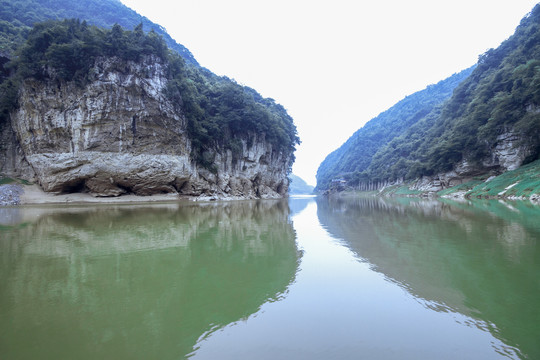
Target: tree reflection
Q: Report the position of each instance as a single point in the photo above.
(479, 258)
(138, 281)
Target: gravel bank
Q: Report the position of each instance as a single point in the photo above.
(10, 194)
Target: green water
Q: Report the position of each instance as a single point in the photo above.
(296, 279)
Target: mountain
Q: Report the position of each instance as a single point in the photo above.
(357, 153)
(18, 16)
(490, 124)
(112, 111)
(297, 186)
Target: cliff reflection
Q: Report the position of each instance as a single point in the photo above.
(481, 259)
(137, 281)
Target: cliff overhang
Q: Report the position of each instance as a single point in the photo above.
(119, 134)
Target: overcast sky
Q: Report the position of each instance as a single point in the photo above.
(334, 65)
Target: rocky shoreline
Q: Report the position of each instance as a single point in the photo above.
(10, 194)
(17, 194)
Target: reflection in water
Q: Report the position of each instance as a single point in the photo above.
(298, 203)
(136, 281)
(481, 259)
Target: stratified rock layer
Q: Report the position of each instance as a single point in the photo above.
(119, 134)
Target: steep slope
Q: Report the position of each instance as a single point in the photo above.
(356, 154)
(298, 186)
(490, 124)
(18, 16)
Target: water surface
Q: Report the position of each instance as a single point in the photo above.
(136, 282)
(303, 279)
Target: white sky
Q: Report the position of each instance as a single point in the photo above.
(334, 65)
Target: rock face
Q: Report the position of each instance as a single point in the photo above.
(12, 160)
(508, 153)
(120, 134)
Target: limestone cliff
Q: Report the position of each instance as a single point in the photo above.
(120, 134)
(508, 153)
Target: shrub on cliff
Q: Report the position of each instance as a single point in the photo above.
(70, 47)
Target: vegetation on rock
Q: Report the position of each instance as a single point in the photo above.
(520, 183)
(17, 17)
(220, 113)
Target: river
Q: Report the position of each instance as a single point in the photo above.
(304, 278)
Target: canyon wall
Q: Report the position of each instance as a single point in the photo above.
(118, 133)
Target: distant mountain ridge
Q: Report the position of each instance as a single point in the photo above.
(298, 186)
(490, 124)
(357, 153)
(18, 16)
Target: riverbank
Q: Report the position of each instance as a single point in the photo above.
(520, 184)
(10, 194)
(17, 193)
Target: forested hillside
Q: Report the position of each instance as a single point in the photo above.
(500, 98)
(18, 16)
(356, 154)
(298, 186)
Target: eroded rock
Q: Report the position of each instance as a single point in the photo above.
(119, 134)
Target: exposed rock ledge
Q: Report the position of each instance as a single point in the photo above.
(120, 135)
(507, 154)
